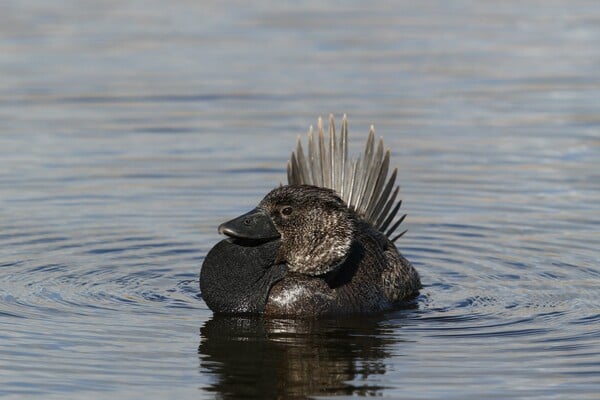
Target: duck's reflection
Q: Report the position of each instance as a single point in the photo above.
(261, 358)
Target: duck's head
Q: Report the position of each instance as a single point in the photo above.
(315, 226)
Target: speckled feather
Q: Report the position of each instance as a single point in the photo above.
(341, 259)
(369, 276)
(318, 235)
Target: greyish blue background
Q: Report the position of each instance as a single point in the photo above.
(130, 130)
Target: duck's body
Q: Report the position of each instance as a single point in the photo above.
(374, 277)
(333, 255)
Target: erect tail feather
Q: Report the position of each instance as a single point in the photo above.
(362, 183)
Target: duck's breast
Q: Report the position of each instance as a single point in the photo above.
(300, 295)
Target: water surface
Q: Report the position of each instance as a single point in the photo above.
(128, 132)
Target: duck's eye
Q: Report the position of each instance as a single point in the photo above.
(287, 210)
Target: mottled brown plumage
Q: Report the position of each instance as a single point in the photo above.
(366, 275)
(316, 234)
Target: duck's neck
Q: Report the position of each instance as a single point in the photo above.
(343, 273)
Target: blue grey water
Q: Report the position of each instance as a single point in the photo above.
(130, 130)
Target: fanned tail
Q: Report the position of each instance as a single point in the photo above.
(362, 183)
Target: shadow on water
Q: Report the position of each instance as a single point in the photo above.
(252, 357)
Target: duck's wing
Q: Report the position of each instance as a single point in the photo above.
(362, 183)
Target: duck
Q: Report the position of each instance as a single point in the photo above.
(321, 245)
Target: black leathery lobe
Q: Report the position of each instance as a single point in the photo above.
(237, 275)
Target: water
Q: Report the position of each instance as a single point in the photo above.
(130, 131)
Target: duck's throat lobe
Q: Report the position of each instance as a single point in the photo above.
(236, 277)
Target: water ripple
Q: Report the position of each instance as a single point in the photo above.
(129, 133)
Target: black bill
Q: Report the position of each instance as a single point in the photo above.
(255, 225)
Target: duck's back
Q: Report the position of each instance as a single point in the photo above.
(382, 272)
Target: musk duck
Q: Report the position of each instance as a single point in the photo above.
(321, 245)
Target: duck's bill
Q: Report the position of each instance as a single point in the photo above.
(255, 225)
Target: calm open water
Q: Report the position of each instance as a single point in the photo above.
(128, 132)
